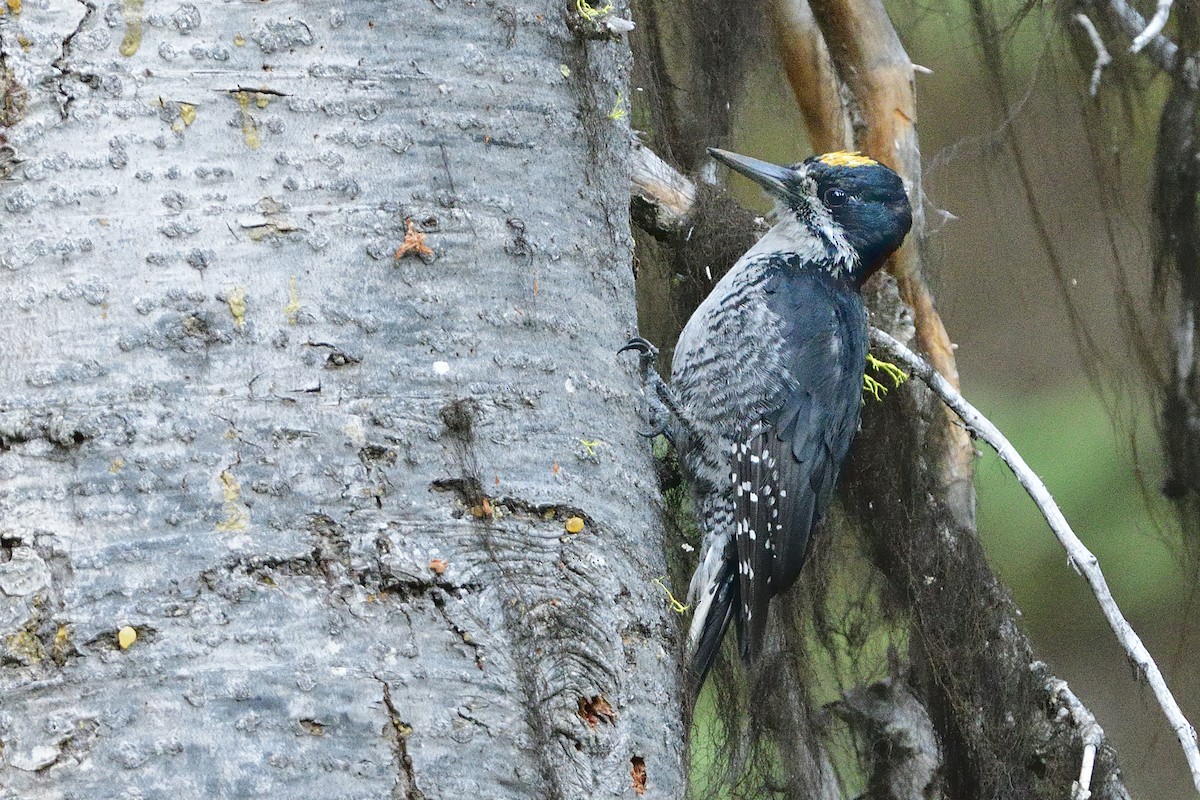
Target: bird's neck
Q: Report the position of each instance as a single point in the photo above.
(791, 236)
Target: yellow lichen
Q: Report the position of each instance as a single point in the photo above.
(187, 113)
(618, 110)
(26, 646)
(236, 516)
(14, 6)
(262, 100)
(897, 375)
(239, 40)
(235, 298)
(117, 465)
(249, 125)
(590, 13)
(874, 388)
(574, 525)
(126, 637)
(847, 158)
(292, 309)
(131, 10)
(62, 647)
(676, 606)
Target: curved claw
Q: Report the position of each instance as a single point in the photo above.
(659, 429)
(640, 345)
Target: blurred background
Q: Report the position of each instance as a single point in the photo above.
(1087, 428)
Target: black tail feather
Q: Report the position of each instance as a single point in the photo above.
(723, 609)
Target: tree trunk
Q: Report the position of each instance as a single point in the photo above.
(335, 495)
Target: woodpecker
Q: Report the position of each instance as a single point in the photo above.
(767, 380)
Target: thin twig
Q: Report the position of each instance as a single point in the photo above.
(1153, 27)
(1083, 561)
(1161, 50)
(1090, 732)
(1103, 59)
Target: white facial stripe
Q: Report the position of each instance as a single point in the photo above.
(819, 220)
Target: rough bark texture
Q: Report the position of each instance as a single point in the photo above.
(330, 493)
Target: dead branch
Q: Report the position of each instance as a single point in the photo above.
(1081, 559)
(812, 76)
(1153, 27)
(663, 197)
(1161, 51)
(1090, 732)
(1103, 59)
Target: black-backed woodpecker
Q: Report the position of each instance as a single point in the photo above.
(767, 381)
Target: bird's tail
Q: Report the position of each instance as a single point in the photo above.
(717, 602)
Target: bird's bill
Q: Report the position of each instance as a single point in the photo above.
(771, 177)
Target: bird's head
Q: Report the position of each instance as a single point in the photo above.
(855, 206)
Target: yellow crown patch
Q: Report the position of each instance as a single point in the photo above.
(846, 158)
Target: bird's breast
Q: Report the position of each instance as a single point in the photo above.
(728, 369)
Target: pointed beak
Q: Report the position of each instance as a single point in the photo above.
(770, 176)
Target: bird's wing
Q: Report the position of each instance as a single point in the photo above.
(784, 468)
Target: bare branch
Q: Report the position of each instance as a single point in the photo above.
(1161, 51)
(665, 196)
(1081, 559)
(1103, 59)
(1154, 27)
(1090, 732)
(810, 71)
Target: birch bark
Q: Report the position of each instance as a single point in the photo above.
(329, 491)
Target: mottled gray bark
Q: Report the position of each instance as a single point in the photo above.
(330, 492)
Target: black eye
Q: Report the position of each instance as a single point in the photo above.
(835, 197)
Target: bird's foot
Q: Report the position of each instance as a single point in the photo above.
(658, 394)
(640, 345)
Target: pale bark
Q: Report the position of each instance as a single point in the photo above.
(231, 423)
